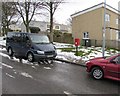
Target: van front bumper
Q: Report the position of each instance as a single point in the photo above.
(38, 57)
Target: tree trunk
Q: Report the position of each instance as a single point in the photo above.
(51, 21)
(27, 28)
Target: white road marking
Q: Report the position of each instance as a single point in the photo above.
(10, 75)
(8, 66)
(48, 68)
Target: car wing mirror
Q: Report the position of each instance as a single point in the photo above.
(113, 61)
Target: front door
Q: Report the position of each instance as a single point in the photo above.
(24, 46)
(113, 68)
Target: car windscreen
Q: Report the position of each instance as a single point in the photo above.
(38, 39)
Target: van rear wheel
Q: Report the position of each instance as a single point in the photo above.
(30, 57)
(10, 51)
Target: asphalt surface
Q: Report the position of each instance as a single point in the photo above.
(56, 78)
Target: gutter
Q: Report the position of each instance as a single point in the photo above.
(82, 64)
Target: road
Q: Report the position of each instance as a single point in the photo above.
(56, 78)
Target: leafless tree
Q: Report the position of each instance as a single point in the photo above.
(69, 21)
(52, 6)
(27, 10)
(8, 13)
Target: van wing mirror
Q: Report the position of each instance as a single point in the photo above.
(28, 43)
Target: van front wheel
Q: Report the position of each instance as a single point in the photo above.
(30, 57)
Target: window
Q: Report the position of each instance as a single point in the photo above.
(117, 59)
(119, 35)
(17, 37)
(38, 39)
(57, 27)
(86, 35)
(107, 17)
(116, 21)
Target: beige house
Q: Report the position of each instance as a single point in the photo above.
(89, 23)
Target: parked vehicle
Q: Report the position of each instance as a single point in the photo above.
(108, 67)
(31, 46)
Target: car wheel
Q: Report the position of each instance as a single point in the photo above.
(97, 73)
(10, 51)
(30, 57)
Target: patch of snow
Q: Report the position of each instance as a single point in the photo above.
(4, 55)
(10, 75)
(2, 49)
(67, 93)
(26, 75)
(34, 67)
(48, 68)
(62, 45)
(27, 62)
(57, 61)
(2, 42)
(36, 64)
(14, 71)
(8, 66)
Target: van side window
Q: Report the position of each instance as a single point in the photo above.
(17, 37)
(25, 38)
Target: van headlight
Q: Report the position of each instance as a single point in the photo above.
(40, 52)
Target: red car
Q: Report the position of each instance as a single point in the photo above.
(108, 67)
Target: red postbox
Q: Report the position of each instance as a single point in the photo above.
(77, 42)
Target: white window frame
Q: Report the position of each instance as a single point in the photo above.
(58, 28)
(117, 21)
(85, 35)
(107, 17)
(117, 35)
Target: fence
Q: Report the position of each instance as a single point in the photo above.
(64, 38)
(109, 43)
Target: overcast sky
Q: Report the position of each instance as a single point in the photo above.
(71, 6)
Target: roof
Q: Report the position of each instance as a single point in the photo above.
(100, 5)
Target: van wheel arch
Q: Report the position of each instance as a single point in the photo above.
(10, 51)
(30, 56)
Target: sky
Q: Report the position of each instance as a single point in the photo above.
(71, 6)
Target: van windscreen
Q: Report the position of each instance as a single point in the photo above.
(39, 39)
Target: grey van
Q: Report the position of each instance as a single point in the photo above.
(31, 46)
